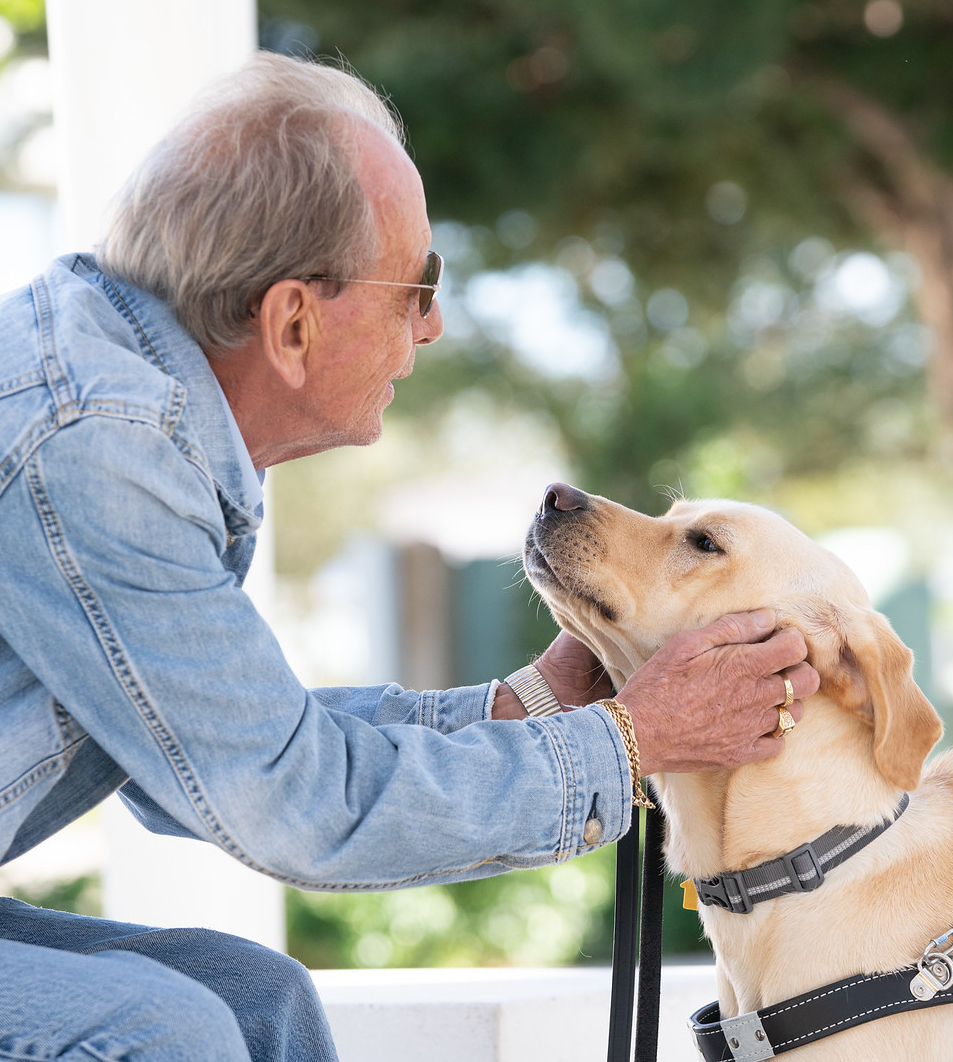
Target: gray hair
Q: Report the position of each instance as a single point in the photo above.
(255, 184)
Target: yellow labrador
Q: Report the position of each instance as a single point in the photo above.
(623, 583)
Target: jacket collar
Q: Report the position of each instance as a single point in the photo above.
(166, 344)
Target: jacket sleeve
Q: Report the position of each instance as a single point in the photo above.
(123, 610)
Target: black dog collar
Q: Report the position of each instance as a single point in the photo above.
(802, 870)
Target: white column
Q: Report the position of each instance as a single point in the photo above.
(122, 72)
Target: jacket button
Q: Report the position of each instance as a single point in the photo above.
(592, 831)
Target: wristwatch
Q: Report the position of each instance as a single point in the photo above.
(533, 691)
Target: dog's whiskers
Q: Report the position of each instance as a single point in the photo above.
(673, 494)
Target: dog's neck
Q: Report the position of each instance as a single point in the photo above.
(730, 820)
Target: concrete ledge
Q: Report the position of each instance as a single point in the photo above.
(496, 1015)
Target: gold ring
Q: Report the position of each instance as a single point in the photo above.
(788, 693)
(785, 722)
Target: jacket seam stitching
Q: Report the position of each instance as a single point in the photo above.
(23, 382)
(54, 371)
(47, 766)
(120, 666)
(570, 788)
(115, 296)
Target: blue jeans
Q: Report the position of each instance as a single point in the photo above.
(80, 988)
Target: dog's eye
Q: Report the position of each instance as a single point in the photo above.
(703, 542)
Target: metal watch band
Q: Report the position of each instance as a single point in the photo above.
(533, 691)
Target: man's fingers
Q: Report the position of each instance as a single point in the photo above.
(782, 651)
(765, 748)
(765, 653)
(736, 628)
(772, 717)
(804, 682)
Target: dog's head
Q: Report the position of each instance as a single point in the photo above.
(623, 583)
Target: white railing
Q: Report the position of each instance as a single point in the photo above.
(496, 1015)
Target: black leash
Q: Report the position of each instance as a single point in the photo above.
(632, 949)
(650, 940)
(624, 946)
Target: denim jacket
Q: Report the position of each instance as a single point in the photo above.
(131, 657)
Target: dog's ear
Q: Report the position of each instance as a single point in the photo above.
(866, 670)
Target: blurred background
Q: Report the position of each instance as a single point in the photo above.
(691, 247)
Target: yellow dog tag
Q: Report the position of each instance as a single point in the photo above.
(690, 896)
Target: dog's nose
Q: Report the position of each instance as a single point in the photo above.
(560, 497)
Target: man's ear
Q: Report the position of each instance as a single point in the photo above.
(287, 326)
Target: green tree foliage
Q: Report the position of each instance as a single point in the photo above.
(550, 917)
(690, 151)
(25, 16)
(27, 19)
(587, 111)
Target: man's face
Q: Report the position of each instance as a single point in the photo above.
(369, 332)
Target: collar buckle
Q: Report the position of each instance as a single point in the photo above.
(727, 891)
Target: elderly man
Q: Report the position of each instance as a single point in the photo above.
(266, 276)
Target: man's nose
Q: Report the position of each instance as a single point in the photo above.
(430, 328)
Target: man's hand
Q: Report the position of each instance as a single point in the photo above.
(573, 672)
(709, 698)
(574, 675)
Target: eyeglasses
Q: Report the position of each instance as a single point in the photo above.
(429, 283)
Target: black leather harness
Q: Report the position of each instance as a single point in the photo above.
(773, 1030)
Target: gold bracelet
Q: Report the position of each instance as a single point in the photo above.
(622, 719)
